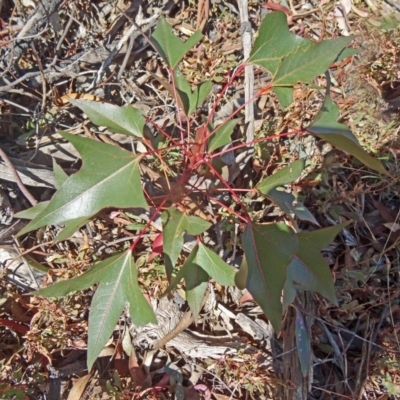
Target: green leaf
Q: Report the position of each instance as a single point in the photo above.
(109, 177)
(171, 48)
(321, 238)
(35, 265)
(202, 90)
(222, 135)
(190, 100)
(308, 61)
(199, 266)
(117, 278)
(32, 212)
(212, 264)
(302, 343)
(196, 286)
(174, 224)
(196, 282)
(389, 22)
(286, 201)
(283, 177)
(326, 127)
(183, 90)
(289, 291)
(241, 274)
(290, 58)
(59, 175)
(284, 94)
(196, 225)
(81, 282)
(219, 270)
(269, 250)
(125, 120)
(346, 53)
(288, 204)
(308, 269)
(70, 228)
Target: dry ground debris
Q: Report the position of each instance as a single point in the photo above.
(53, 50)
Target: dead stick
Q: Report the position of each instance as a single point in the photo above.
(183, 324)
(22, 187)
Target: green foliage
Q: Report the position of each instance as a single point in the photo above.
(171, 48)
(303, 343)
(269, 249)
(286, 201)
(222, 134)
(175, 223)
(278, 260)
(290, 58)
(118, 286)
(32, 212)
(191, 99)
(202, 264)
(115, 183)
(326, 127)
(284, 176)
(308, 269)
(59, 175)
(9, 392)
(125, 120)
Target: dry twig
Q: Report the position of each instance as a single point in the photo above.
(21, 186)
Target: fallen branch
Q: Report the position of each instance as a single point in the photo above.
(31, 174)
(17, 179)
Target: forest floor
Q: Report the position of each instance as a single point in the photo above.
(355, 345)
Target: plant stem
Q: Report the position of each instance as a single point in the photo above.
(217, 101)
(234, 195)
(239, 146)
(18, 180)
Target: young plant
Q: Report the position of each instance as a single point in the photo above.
(276, 258)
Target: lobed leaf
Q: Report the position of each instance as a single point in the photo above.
(109, 177)
(269, 250)
(118, 286)
(222, 135)
(196, 284)
(190, 100)
(70, 227)
(199, 266)
(125, 120)
(170, 47)
(220, 271)
(304, 351)
(290, 58)
(326, 127)
(279, 259)
(175, 223)
(308, 270)
(33, 211)
(286, 201)
(308, 61)
(59, 175)
(283, 177)
(288, 204)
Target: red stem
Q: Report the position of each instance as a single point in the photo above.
(176, 144)
(206, 158)
(234, 195)
(237, 111)
(143, 231)
(225, 88)
(171, 71)
(239, 146)
(227, 208)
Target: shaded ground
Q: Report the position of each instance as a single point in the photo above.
(355, 344)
